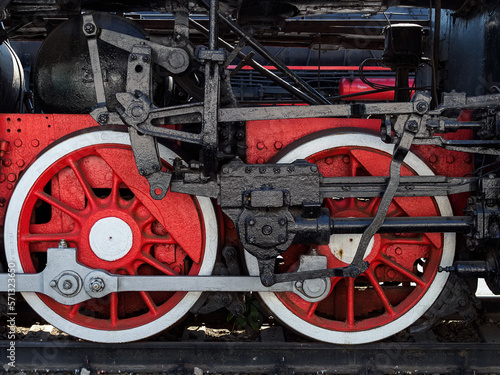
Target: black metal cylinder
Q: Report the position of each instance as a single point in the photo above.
(63, 77)
(11, 79)
(437, 224)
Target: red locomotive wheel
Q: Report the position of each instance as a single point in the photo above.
(87, 191)
(402, 281)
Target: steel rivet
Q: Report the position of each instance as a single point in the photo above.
(267, 230)
(346, 159)
(433, 159)
(260, 161)
(328, 160)
(35, 143)
(20, 163)
(278, 145)
(11, 177)
(450, 159)
(260, 145)
(18, 143)
(89, 28)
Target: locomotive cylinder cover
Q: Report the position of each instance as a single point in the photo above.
(11, 79)
(63, 77)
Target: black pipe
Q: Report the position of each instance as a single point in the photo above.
(437, 224)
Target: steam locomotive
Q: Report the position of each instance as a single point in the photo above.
(135, 187)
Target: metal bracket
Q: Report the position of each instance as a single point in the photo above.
(175, 60)
(91, 31)
(69, 283)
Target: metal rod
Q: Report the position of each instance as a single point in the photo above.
(437, 224)
(258, 67)
(320, 99)
(213, 32)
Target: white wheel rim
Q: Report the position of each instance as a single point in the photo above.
(359, 337)
(11, 229)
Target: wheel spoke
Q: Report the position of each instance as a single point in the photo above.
(115, 191)
(380, 292)
(384, 259)
(56, 203)
(149, 302)
(153, 309)
(74, 309)
(113, 306)
(354, 166)
(350, 301)
(157, 264)
(82, 179)
(312, 309)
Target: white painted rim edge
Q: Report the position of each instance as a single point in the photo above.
(11, 228)
(360, 337)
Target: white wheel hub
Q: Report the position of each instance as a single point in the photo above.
(344, 246)
(110, 238)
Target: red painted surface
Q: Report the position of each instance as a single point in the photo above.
(350, 86)
(321, 68)
(23, 137)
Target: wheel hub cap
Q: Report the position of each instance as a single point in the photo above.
(344, 246)
(110, 238)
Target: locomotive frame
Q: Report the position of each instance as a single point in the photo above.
(270, 203)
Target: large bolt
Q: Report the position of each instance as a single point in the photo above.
(97, 284)
(67, 285)
(102, 119)
(267, 230)
(422, 107)
(89, 28)
(137, 111)
(412, 126)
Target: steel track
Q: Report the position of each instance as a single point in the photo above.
(257, 357)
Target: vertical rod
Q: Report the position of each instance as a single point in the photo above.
(213, 36)
(211, 98)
